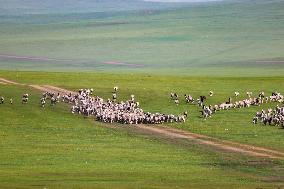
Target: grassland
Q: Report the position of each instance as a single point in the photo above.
(153, 94)
(228, 39)
(54, 149)
(224, 46)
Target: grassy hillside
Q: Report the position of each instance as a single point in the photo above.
(51, 148)
(224, 38)
(18, 7)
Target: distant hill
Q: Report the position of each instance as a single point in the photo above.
(18, 7)
(229, 37)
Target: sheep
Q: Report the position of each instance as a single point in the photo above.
(189, 98)
(132, 98)
(206, 112)
(202, 99)
(25, 98)
(177, 102)
(42, 102)
(174, 96)
(115, 89)
(128, 112)
(249, 94)
(254, 120)
(2, 100)
(237, 94)
(272, 117)
(53, 101)
(114, 96)
(185, 113)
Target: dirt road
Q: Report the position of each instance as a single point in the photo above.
(172, 133)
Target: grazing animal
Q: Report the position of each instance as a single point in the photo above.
(254, 120)
(202, 99)
(176, 101)
(237, 94)
(53, 101)
(229, 100)
(132, 98)
(42, 102)
(174, 96)
(271, 117)
(211, 93)
(115, 89)
(2, 100)
(261, 94)
(25, 98)
(128, 112)
(249, 94)
(189, 98)
(206, 112)
(114, 96)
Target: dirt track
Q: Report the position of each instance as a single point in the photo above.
(172, 133)
(47, 59)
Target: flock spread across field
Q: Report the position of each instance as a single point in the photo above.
(129, 112)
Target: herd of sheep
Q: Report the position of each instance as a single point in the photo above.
(208, 110)
(130, 112)
(110, 111)
(273, 117)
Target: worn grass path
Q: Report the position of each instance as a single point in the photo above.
(176, 134)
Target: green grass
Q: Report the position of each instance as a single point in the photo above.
(52, 148)
(153, 94)
(192, 50)
(212, 39)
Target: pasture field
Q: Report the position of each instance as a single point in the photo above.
(149, 50)
(52, 148)
(153, 94)
(229, 38)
